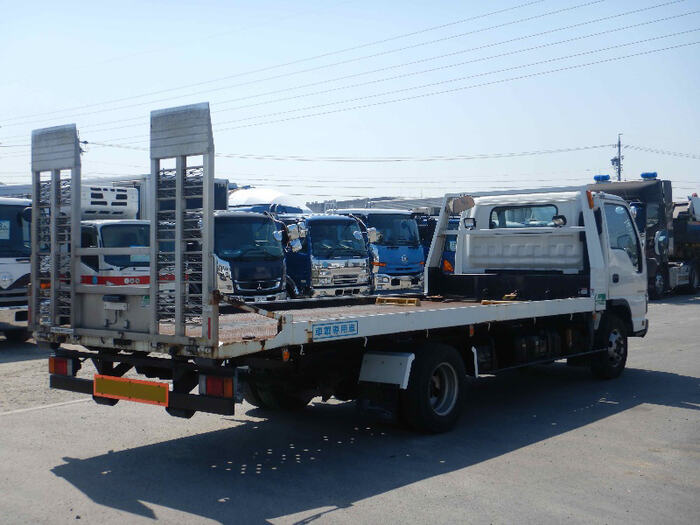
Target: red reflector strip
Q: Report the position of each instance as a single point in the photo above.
(150, 392)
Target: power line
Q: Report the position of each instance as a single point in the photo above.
(618, 15)
(462, 88)
(293, 62)
(433, 158)
(404, 64)
(693, 156)
(144, 138)
(414, 73)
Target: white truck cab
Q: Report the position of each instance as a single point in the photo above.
(511, 239)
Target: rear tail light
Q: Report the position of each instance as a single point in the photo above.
(61, 366)
(216, 386)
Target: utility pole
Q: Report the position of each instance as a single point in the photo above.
(617, 161)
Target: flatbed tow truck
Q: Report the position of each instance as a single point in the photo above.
(571, 288)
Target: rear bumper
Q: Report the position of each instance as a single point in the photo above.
(176, 401)
(13, 318)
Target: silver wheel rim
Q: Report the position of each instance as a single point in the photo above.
(443, 389)
(659, 284)
(616, 347)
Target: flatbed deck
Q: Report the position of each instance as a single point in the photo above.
(247, 333)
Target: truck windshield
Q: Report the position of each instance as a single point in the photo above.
(336, 240)
(125, 236)
(522, 216)
(394, 230)
(246, 239)
(14, 232)
(652, 214)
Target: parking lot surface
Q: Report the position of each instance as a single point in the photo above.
(547, 445)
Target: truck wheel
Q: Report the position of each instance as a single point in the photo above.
(276, 399)
(658, 285)
(433, 400)
(250, 394)
(18, 336)
(693, 281)
(610, 363)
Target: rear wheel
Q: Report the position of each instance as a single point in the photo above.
(18, 336)
(610, 363)
(433, 400)
(693, 280)
(275, 398)
(658, 285)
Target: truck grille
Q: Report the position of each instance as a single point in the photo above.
(258, 286)
(345, 279)
(13, 297)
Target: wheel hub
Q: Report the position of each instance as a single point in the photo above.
(616, 347)
(443, 389)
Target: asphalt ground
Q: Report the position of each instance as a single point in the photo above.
(550, 445)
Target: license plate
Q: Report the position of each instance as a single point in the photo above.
(151, 392)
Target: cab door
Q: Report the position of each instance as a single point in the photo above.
(626, 262)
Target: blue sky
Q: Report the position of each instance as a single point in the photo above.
(69, 61)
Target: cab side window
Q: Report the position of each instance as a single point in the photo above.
(621, 233)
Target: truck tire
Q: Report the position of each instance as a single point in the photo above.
(657, 286)
(693, 281)
(250, 394)
(272, 398)
(17, 336)
(610, 363)
(432, 403)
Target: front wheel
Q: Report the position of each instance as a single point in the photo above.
(610, 363)
(658, 285)
(18, 336)
(433, 400)
(693, 280)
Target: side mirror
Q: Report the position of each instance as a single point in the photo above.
(372, 235)
(293, 232)
(27, 214)
(469, 223)
(358, 235)
(660, 242)
(278, 235)
(302, 229)
(559, 221)
(295, 245)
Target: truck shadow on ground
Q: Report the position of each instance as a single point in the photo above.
(678, 299)
(16, 352)
(329, 456)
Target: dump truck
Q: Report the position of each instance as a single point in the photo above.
(571, 287)
(670, 231)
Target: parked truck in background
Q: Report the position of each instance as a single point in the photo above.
(15, 251)
(250, 262)
(671, 237)
(333, 259)
(397, 255)
(572, 289)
